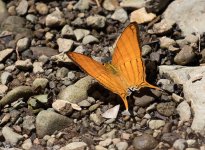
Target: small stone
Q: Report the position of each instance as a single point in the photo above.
(122, 145)
(10, 136)
(24, 64)
(84, 103)
(192, 38)
(144, 142)
(120, 15)
(125, 136)
(97, 119)
(47, 122)
(40, 82)
(49, 36)
(180, 144)
(96, 21)
(110, 135)
(28, 124)
(3, 89)
(110, 4)
(79, 49)
(185, 56)
(170, 138)
(105, 143)
(38, 67)
(156, 124)
(184, 111)
(77, 22)
(176, 98)
(5, 119)
(22, 8)
(55, 19)
(143, 101)
(6, 77)
(166, 109)
(44, 59)
(1, 67)
(63, 107)
(64, 45)
(23, 44)
(75, 146)
(166, 42)
(4, 53)
(98, 147)
(166, 84)
(146, 49)
(89, 39)
(133, 4)
(141, 16)
(42, 8)
(62, 73)
(27, 144)
(162, 27)
(81, 5)
(31, 18)
(67, 31)
(81, 33)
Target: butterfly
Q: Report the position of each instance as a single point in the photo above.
(126, 72)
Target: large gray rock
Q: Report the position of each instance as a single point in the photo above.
(189, 16)
(48, 122)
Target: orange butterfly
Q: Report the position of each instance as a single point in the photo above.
(126, 72)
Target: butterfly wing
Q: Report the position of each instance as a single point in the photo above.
(101, 73)
(127, 58)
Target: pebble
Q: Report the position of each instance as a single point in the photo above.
(10, 136)
(80, 33)
(40, 82)
(97, 119)
(166, 84)
(89, 39)
(162, 27)
(77, 22)
(49, 36)
(63, 107)
(169, 138)
(62, 73)
(96, 21)
(3, 89)
(2, 66)
(42, 8)
(98, 147)
(64, 45)
(110, 5)
(144, 100)
(38, 67)
(141, 16)
(146, 49)
(23, 44)
(4, 53)
(184, 111)
(180, 144)
(24, 64)
(28, 124)
(105, 143)
(176, 98)
(5, 119)
(120, 15)
(22, 8)
(192, 38)
(166, 109)
(31, 18)
(84, 103)
(166, 42)
(122, 145)
(77, 92)
(54, 19)
(27, 144)
(144, 142)
(6, 77)
(47, 51)
(81, 5)
(133, 4)
(79, 49)
(47, 122)
(156, 124)
(185, 56)
(67, 31)
(75, 146)
(110, 135)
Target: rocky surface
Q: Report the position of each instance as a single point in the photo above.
(47, 102)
